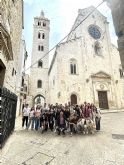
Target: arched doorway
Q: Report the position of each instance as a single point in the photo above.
(2, 73)
(39, 99)
(73, 99)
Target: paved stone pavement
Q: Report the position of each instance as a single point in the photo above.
(33, 148)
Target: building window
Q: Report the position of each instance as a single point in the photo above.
(121, 73)
(73, 66)
(39, 84)
(53, 80)
(40, 48)
(97, 48)
(39, 35)
(43, 36)
(39, 23)
(44, 23)
(94, 32)
(40, 64)
(13, 71)
(22, 82)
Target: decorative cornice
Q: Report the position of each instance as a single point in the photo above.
(101, 75)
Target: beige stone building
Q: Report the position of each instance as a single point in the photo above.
(39, 68)
(84, 68)
(11, 24)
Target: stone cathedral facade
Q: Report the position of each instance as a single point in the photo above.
(86, 67)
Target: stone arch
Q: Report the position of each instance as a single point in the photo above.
(39, 99)
(73, 98)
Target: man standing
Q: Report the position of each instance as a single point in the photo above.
(25, 114)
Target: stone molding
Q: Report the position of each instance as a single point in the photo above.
(101, 75)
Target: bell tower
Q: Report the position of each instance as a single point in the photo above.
(39, 60)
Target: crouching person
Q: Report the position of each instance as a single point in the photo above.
(61, 123)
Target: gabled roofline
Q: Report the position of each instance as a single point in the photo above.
(55, 54)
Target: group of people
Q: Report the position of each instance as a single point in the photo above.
(59, 118)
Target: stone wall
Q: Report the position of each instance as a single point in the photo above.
(12, 21)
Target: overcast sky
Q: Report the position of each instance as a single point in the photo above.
(62, 14)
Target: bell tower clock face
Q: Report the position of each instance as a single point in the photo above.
(94, 32)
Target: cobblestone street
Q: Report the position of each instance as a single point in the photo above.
(33, 148)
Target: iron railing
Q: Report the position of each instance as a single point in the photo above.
(8, 102)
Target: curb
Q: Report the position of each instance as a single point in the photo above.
(111, 111)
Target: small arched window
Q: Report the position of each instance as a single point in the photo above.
(39, 47)
(44, 23)
(42, 48)
(39, 23)
(39, 84)
(39, 35)
(40, 64)
(43, 36)
(13, 72)
(73, 66)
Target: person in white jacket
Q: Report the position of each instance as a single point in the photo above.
(25, 115)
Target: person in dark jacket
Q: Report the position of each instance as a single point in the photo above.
(44, 121)
(67, 115)
(51, 117)
(77, 110)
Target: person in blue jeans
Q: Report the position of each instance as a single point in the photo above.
(31, 118)
(37, 117)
